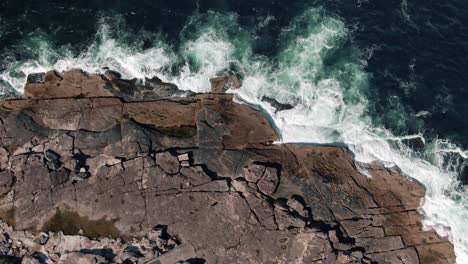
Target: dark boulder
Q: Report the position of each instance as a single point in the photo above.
(36, 77)
(277, 105)
(415, 143)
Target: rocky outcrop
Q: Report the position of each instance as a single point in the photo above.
(223, 83)
(205, 170)
(77, 83)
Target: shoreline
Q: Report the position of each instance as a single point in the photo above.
(228, 143)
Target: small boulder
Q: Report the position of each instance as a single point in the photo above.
(184, 160)
(183, 157)
(415, 143)
(36, 77)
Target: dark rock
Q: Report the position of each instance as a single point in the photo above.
(415, 143)
(160, 88)
(112, 75)
(463, 176)
(277, 105)
(52, 159)
(7, 92)
(36, 77)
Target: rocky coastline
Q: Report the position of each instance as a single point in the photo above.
(98, 169)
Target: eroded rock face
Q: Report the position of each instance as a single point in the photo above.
(203, 169)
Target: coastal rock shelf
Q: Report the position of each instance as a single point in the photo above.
(195, 179)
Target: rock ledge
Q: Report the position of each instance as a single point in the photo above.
(194, 179)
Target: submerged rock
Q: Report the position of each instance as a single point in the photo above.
(415, 143)
(277, 105)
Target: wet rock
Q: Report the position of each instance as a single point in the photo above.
(224, 83)
(463, 176)
(160, 88)
(277, 105)
(112, 75)
(415, 143)
(36, 77)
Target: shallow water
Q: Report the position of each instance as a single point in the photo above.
(369, 74)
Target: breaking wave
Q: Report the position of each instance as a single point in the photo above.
(316, 69)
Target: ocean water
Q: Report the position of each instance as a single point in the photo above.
(370, 74)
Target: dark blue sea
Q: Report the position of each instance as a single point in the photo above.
(386, 77)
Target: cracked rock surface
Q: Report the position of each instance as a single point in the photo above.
(114, 177)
